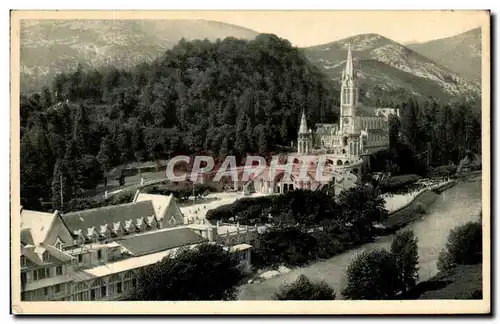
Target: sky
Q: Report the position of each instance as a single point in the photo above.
(307, 28)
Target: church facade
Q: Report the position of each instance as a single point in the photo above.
(353, 136)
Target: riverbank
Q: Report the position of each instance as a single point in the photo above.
(409, 213)
(462, 282)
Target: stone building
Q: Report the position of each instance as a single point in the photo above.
(354, 136)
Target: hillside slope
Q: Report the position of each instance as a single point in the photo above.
(385, 66)
(52, 46)
(460, 54)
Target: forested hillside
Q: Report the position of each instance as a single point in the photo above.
(221, 98)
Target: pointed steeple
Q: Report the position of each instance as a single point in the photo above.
(303, 124)
(349, 67)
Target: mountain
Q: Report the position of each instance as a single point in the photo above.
(387, 69)
(460, 54)
(52, 46)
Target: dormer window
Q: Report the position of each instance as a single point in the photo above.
(46, 256)
(59, 244)
(23, 261)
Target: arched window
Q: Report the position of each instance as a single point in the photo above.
(339, 162)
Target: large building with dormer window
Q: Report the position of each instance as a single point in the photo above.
(95, 254)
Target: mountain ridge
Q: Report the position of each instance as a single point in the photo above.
(460, 53)
(392, 62)
(49, 47)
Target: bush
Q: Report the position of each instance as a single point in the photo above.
(289, 246)
(398, 183)
(476, 294)
(443, 171)
(464, 246)
(405, 250)
(420, 208)
(304, 289)
(372, 275)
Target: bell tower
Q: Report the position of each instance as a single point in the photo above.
(349, 93)
(304, 140)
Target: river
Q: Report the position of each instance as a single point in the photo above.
(453, 207)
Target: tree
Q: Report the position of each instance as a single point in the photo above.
(405, 250)
(81, 131)
(61, 176)
(106, 155)
(464, 246)
(361, 207)
(304, 289)
(372, 275)
(206, 272)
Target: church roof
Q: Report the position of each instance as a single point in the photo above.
(303, 124)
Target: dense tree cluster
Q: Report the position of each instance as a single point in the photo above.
(306, 225)
(429, 134)
(206, 272)
(220, 98)
(305, 289)
(464, 246)
(225, 97)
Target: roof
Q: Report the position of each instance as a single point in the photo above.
(109, 215)
(35, 253)
(240, 247)
(123, 265)
(27, 237)
(303, 124)
(160, 240)
(38, 223)
(48, 282)
(160, 202)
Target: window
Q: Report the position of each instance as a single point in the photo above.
(103, 291)
(134, 282)
(23, 261)
(45, 256)
(47, 272)
(80, 258)
(92, 294)
(35, 275)
(57, 289)
(41, 274)
(99, 254)
(45, 291)
(59, 270)
(59, 244)
(23, 278)
(119, 287)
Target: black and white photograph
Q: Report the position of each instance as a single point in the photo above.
(268, 156)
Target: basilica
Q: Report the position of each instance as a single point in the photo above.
(354, 136)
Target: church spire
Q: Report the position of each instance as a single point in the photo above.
(349, 67)
(303, 124)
